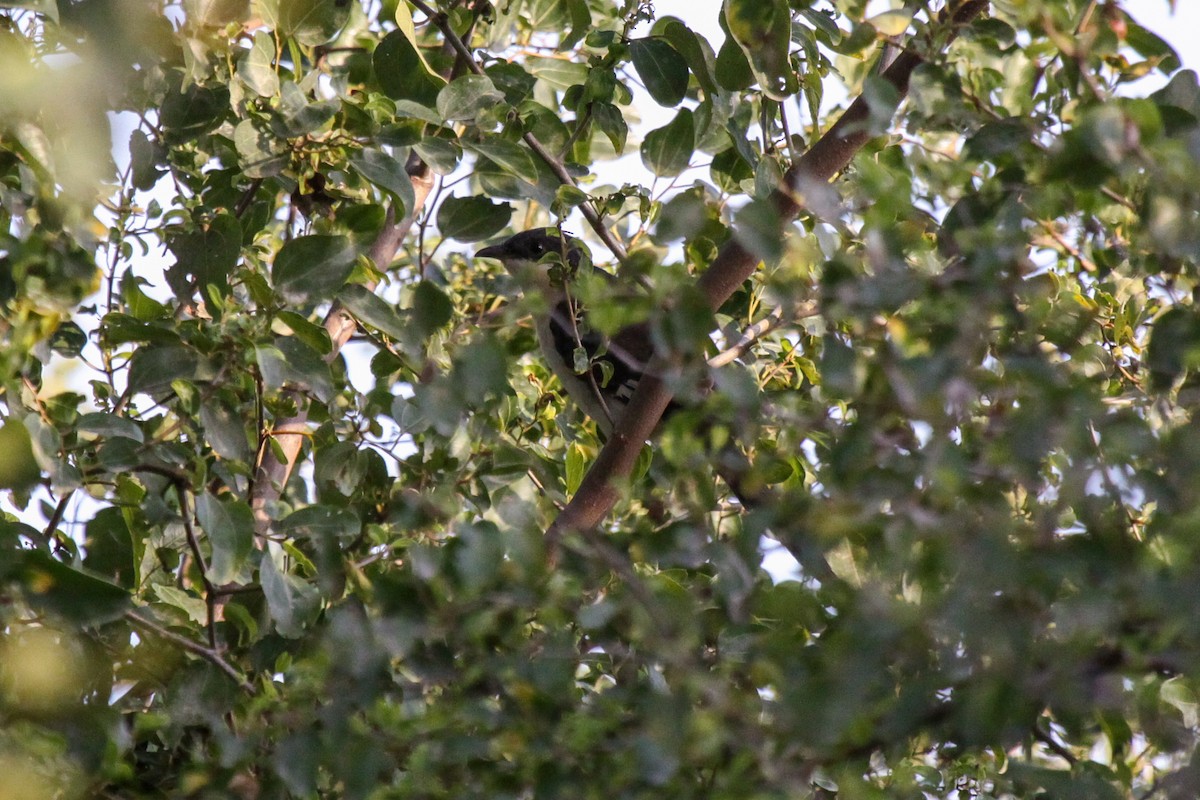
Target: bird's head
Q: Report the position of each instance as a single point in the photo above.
(542, 257)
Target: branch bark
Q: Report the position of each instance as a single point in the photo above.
(828, 156)
(272, 473)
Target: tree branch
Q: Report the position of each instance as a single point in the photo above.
(272, 473)
(207, 653)
(733, 265)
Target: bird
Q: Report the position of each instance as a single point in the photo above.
(599, 373)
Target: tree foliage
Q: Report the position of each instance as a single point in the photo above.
(295, 509)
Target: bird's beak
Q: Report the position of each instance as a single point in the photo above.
(495, 251)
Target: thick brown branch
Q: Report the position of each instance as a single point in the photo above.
(828, 156)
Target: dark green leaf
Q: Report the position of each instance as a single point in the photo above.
(696, 51)
(369, 309)
(153, 368)
(291, 363)
(762, 28)
(401, 72)
(311, 268)
(667, 150)
(225, 429)
(556, 72)
(230, 530)
(439, 154)
(612, 123)
(472, 219)
(510, 157)
(290, 601)
(386, 172)
(52, 586)
(662, 70)
(1151, 45)
(103, 424)
(189, 113)
(1174, 346)
(733, 71)
(207, 255)
(313, 22)
(431, 308)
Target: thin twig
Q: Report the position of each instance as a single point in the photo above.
(758, 330)
(207, 653)
(560, 171)
(210, 593)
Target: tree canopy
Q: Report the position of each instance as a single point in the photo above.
(293, 508)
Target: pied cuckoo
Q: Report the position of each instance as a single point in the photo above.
(599, 373)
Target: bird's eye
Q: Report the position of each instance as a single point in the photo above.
(538, 248)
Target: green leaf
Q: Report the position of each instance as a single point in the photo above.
(291, 363)
(313, 22)
(662, 70)
(302, 116)
(307, 331)
(311, 268)
(760, 229)
(225, 429)
(193, 607)
(404, 25)
(110, 547)
(1152, 46)
(18, 468)
(472, 219)
(557, 73)
(321, 522)
(763, 28)
(84, 599)
(189, 113)
(581, 24)
(576, 468)
(696, 51)
(387, 173)
(290, 601)
(464, 97)
(431, 308)
(145, 157)
(99, 423)
(510, 157)
(612, 123)
(1174, 346)
(733, 71)
(208, 255)
(667, 150)
(230, 530)
(440, 154)
(257, 67)
(154, 367)
(261, 153)
(370, 309)
(401, 72)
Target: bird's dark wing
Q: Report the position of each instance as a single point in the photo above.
(626, 362)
